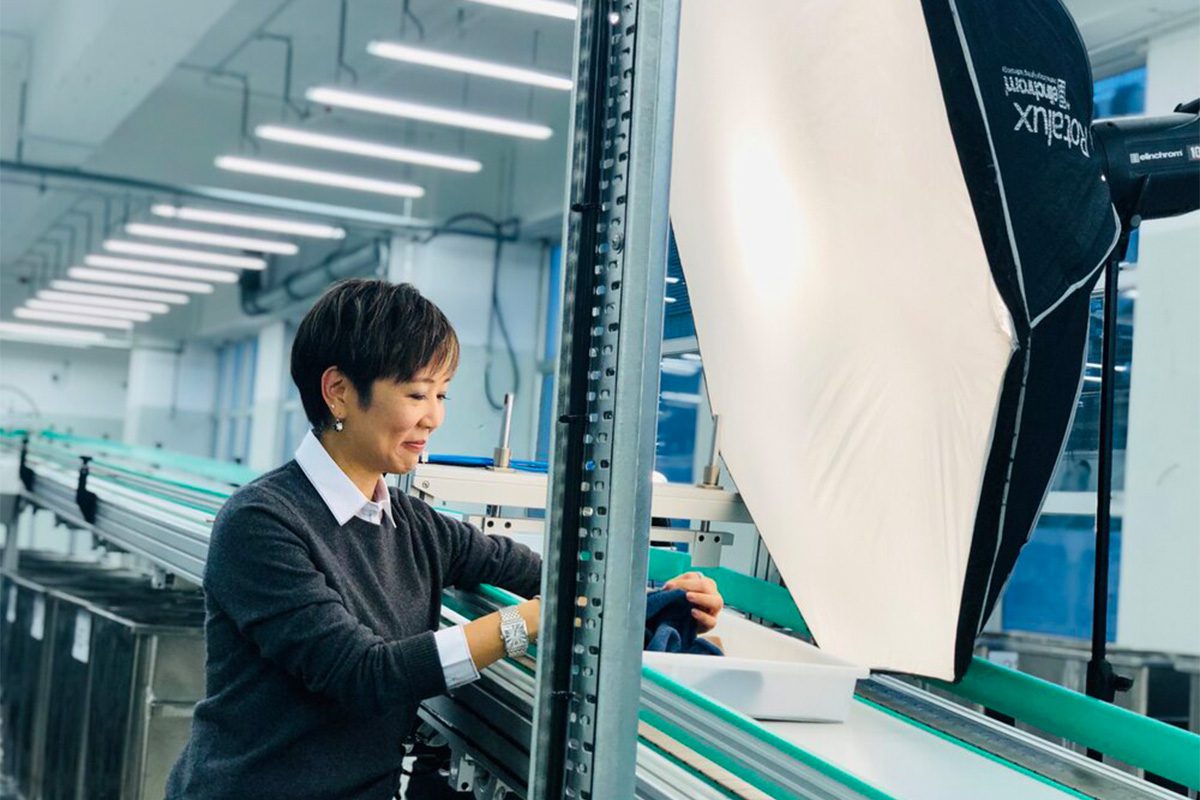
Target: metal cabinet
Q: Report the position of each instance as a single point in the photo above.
(100, 675)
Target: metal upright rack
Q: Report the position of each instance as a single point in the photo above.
(588, 683)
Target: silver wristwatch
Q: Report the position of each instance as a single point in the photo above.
(514, 632)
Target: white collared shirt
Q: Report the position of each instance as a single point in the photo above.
(345, 501)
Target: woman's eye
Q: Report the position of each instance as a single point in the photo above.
(443, 397)
(417, 396)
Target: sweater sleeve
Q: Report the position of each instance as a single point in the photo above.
(470, 557)
(260, 574)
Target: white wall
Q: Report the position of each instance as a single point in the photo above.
(456, 273)
(1159, 596)
(171, 399)
(73, 390)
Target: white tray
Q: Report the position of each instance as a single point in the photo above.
(765, 674)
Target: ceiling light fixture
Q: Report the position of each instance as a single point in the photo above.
(45, 332)
(103, 302)
(72, 308)
(288, 172)
(183, 254)
(313, 230)
(547, 8)
(470, 66)
(119, 291)
(358, 147)
(436, 114)
(211, 239)
(73, 319)
(158, 268)
(130, 279)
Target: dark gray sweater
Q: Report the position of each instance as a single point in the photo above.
(320, 642)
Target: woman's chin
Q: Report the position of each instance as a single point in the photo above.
(403, 463)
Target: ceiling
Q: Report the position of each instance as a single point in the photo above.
(154, 92)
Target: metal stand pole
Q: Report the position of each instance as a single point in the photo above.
(1102, 682)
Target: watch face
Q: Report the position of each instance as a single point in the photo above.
(514, 635)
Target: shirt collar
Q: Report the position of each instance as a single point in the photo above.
(341, 496)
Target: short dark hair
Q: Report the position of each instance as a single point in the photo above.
(368, 329)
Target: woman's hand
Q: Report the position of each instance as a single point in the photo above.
(703, 595)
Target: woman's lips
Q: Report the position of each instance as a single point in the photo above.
(415, 447)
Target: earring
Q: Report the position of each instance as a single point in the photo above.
(338, 425)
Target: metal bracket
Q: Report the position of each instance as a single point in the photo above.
(464, 772)
(704, 545)
(161, 579)
(507, 526)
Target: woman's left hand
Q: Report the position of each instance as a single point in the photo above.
(703, 595)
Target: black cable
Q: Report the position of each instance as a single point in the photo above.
(406, 15)
(19, 392)
(495, 312)
(496, 319)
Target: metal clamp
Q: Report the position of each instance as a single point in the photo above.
(85, 499)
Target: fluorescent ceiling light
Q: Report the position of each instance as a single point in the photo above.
(129, 279)
(442, 116)
(158, 268)
(359, 147)
(341, 180)
(471, 66)
(212, 239)
(73, 319)
(104, 302)
(547, 8)
(95, 311)
(46, 332)
(311, 229)
(183, 254)
(120, 291)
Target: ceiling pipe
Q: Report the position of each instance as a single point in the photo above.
(365, 259)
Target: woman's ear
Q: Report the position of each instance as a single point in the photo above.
(336, 390)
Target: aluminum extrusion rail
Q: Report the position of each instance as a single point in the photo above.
(164, 521)
(490, 720)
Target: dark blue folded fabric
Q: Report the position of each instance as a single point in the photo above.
(670, 626)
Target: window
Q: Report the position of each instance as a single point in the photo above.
(235, 399)
(295, 422)
(1050, 590)
(677, 316)
(681, 381)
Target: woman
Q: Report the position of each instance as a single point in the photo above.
(323, 587)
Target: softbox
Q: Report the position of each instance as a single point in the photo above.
(890, 219)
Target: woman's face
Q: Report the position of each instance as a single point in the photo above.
(390, 434)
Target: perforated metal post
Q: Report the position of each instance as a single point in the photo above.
(589, 660)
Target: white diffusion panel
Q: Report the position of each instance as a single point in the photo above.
(853, 340)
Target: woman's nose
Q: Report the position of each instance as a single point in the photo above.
(433, 417)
